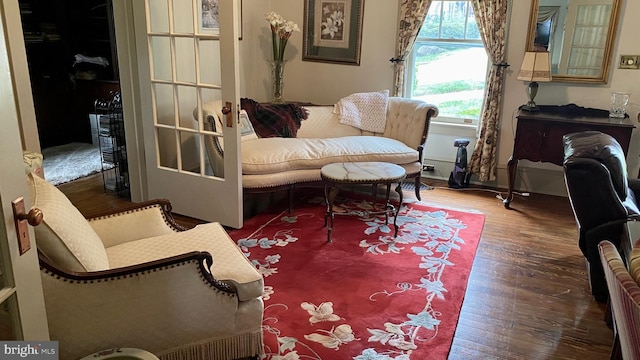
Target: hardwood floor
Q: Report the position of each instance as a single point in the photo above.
(528, 294)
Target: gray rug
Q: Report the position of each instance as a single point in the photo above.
(69, 162)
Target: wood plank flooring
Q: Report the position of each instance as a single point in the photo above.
(528, 294)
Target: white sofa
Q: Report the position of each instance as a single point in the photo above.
(270, 164)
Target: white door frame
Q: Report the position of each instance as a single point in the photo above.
(125, 29)
(22, 284)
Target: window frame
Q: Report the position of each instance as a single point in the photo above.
(410, 68)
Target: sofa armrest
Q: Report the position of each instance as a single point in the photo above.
(148, 219)
(408, 120)
(157, 306)
(202, 258)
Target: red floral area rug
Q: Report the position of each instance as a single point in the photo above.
(365, 295)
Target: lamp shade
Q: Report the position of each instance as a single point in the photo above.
(536, 66)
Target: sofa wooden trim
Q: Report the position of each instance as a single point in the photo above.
(203, 259)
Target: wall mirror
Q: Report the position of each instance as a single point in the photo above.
(579, 34)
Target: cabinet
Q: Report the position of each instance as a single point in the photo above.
(539, 134)
(115, 169)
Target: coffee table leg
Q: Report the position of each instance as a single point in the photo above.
(326, 202)
(374, 195)
(386, 205)
(330, 192)
(395, 215)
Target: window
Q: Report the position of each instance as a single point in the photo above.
(448, 66)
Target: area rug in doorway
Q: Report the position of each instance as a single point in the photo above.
(71, 161)
(365, 295)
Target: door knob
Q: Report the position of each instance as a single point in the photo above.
(21, 218)
(33, 217)
(226, 110)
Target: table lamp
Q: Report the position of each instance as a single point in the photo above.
(536, 66)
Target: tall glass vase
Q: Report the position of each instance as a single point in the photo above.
(277, 81)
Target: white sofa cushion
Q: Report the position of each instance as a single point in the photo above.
(273, 155)
(65, 236)
(229, 263)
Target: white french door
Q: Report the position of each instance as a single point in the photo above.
(22, 311)
(187, 54)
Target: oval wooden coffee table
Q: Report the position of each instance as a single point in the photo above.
(372, 173)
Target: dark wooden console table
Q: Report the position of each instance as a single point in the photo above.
(539, 134)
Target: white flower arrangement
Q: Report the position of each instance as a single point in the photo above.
(281, 31)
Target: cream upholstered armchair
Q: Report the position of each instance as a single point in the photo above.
(137, 279)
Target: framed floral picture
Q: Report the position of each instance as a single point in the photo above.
(209, 17)
(332, 31)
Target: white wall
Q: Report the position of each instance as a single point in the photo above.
(326, 83)
(317, 82)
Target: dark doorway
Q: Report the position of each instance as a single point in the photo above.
(71, 51)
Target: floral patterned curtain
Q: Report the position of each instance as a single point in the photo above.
(412, 15)
(491, 17)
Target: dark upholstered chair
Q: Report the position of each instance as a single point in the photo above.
(601, 195)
